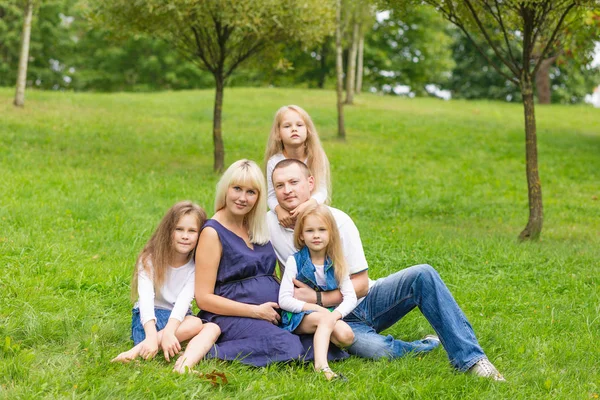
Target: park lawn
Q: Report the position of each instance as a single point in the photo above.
(85, 179)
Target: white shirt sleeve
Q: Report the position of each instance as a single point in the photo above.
(349, 297)
(271, 198)
(287, 301)
(185, 297)
(145, 296)
(320, 195)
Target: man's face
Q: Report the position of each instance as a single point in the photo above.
(292, 187)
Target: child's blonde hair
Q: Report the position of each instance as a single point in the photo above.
(247, 173)
(159, 252)
(316, 159)
(334, 247)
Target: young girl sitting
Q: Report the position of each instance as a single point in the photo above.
(163, 281)
(293, 135)
(319, 264)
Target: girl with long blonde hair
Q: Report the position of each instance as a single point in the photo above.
(320, 264)
(293, 135)
(163, 283)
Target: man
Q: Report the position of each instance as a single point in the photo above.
(384, 302)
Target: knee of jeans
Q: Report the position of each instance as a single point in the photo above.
(374, 347)
(427, 271)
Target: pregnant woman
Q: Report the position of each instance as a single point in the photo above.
(235, 283)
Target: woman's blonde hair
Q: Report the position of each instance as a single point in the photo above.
(316, 159)
(159, 252)
(334, 247)
(247, 173)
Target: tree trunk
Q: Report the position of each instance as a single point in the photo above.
(323, 63)
(339, 69)
(536, 213)
(351, 77)
(24, 57)
(542, 81)
(219, 150)
(359, 67)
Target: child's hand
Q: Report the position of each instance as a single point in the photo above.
(284, 217)
(170, 345)
(149, 348)
(298, 210)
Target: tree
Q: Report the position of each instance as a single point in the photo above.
(219, 35)
(339, 70)
(24, 56)
(352, 53)
(514, 29)
(576, 50)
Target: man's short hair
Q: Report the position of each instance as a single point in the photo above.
(292, 161)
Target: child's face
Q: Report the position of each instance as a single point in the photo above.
(292, 129)
(185, 236)
(315, 234)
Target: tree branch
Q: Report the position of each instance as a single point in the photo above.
(553, 36)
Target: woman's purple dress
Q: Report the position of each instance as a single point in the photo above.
(246, 275)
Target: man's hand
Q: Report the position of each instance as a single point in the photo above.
(303, 292)
(285, 218)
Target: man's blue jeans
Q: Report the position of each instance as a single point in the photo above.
(391, 298)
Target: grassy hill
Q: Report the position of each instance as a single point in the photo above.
(85, 179)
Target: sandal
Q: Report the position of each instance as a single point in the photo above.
(332, 376)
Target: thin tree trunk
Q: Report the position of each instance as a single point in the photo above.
(323, 63)
(542, 81)
(351, 77)
(219, 150)
(359, 67)
(536, 213)
(24, 57)
(339, 70)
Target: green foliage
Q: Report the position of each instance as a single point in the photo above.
(219, 35)
(411, 48)
(86, 178)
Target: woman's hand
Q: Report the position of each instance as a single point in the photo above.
(267, 312)
(285, 218)
(170, 345)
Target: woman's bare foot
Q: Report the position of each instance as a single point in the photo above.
(181, 367)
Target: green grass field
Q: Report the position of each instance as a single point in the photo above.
(85, 179)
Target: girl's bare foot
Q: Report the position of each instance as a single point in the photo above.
(127, 356)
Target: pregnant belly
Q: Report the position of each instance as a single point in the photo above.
(256, 290)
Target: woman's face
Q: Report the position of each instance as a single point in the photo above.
(240, 199)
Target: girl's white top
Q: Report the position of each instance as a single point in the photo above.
(176, 294)
(286, 290)
(319, 194)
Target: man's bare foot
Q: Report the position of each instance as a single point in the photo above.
(127, 356)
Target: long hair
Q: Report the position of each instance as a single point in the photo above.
(159, 252)
(334, 247)
(247, 173)
(316, 159)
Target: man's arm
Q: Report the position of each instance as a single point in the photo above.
(333, 298)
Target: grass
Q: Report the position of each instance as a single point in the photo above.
(85, 178)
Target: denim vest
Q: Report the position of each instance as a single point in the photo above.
(306, 271)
